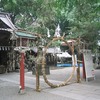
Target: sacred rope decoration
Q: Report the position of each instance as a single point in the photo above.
(44, 62)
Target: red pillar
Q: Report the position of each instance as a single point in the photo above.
(84, 73)
(22, 87)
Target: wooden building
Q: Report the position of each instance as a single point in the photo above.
(11, 37)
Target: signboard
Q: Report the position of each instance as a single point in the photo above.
(88, 64)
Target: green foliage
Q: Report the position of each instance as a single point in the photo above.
(56, 43)
(81, 17)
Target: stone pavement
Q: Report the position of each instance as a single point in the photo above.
(9, 87)
(9, 91)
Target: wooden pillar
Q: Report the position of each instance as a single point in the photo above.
(78, 74)
(84, 74)
(38, 78)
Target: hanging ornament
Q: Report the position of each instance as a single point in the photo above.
(8, 48)
(5, 48)
(2, 48)
(57, 31)
(48, 33)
